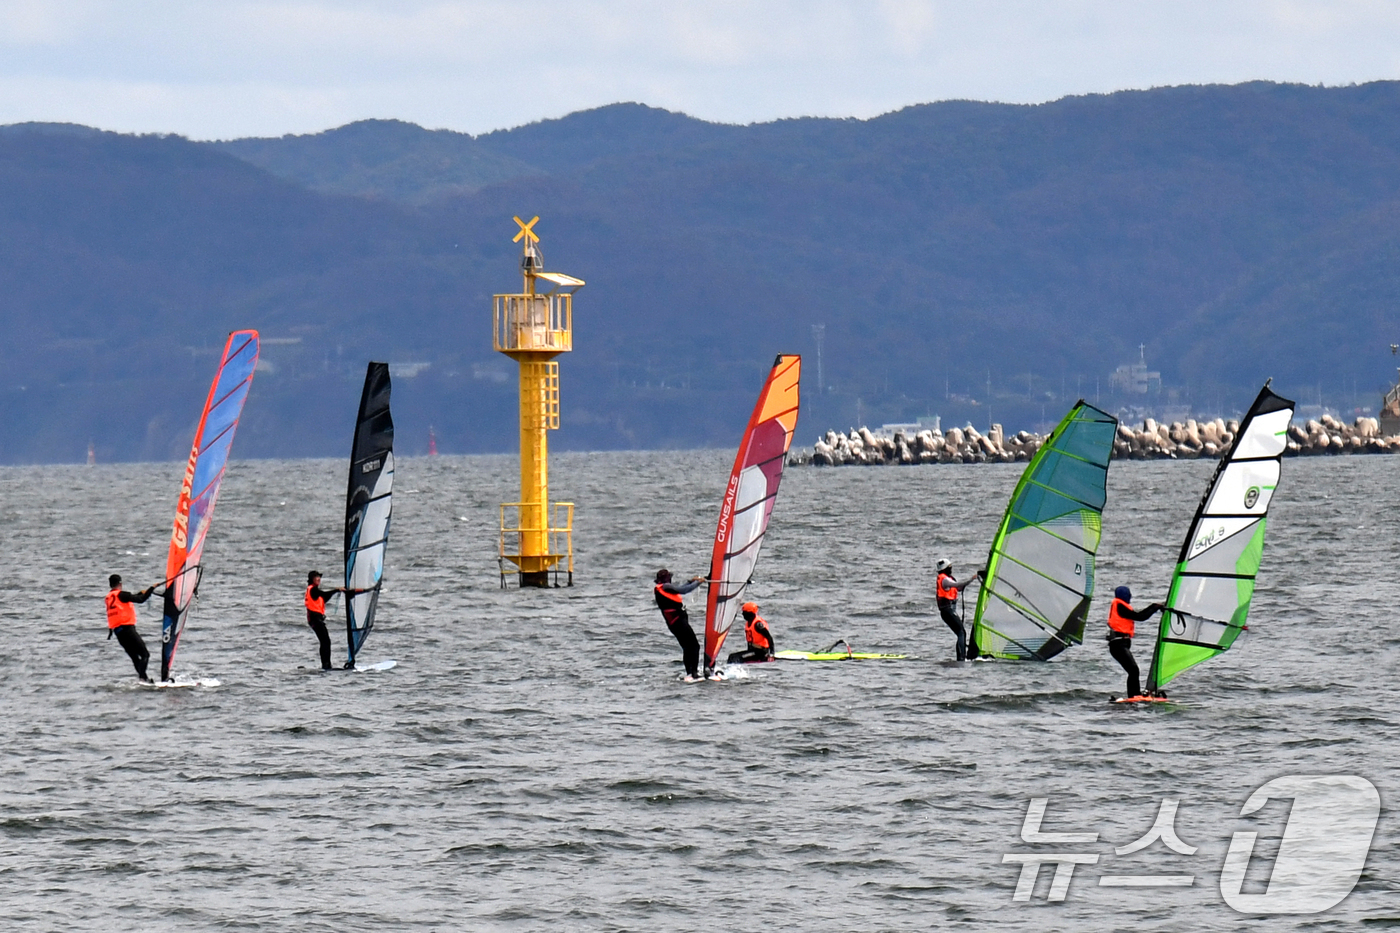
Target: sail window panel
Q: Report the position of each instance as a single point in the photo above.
(1038, 505)
(1052, 556)
(366, 567)
(1043, 597)
(1266, 435)
(769, 441)
(216, 440)
(1175, 658)
(1222, 599)
(1244, 488)
(361, 619)
(750, 515)
(375, 519)
(1072, 477)
(360, 607)
(1210, 531)
(1012, 633)
(1083, 529)
(1231, 547)
(229, 396)
(1090, 439)
(1199, 630)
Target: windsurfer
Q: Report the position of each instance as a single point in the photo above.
(1121, 616)
(759, 638)
(121, 621)
(669, 600)
(949, 589)
(316, 614)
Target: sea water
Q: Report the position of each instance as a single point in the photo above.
(534, 762)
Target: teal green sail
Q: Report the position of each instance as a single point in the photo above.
(1040, 572)
(1213, 583)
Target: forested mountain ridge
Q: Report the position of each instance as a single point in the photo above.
(1238, 232)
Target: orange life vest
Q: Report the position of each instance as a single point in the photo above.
(315, 605)
(118, 612)
(947, 591)
(1116, 620)
(754, 636)
(671, 605)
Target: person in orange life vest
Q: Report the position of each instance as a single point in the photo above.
(669, 601)
(948, 590)
(121, 622)
(316, 614)
(759, 638)
(1121, 616)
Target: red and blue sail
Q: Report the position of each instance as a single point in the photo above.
(204, 472)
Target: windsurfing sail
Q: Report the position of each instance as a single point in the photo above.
(748, 500)
(367, 505)
(204, 471)
(1213, 583)
(1040, 572)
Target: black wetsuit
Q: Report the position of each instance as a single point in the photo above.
(678, 621)
(1120, 645)
(948, 609)
(130, 639)
(317, 621)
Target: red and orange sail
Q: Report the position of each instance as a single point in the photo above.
(748, 500)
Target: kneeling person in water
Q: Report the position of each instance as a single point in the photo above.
(316, 614)
(1121, 616)
(121, 622)
(759, 638)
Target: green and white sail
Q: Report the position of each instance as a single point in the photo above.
(1214, 579)
(1040, 572)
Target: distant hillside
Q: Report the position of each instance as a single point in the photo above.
(382, 158)
(1238, 232)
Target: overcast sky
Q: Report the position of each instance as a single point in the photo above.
(228, 68)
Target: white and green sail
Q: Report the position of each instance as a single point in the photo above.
(1214, 579)
(1040, 572)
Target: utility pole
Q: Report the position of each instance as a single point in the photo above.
(819, 332)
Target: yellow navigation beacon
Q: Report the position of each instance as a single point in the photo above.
(532, 328)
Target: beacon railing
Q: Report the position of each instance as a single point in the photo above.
(560, 538)
(541, 323)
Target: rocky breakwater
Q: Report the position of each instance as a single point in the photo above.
(1190, 440)
(957, 445)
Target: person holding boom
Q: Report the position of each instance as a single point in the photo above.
(670, 600)
(315, 600)
(1121, 616)
(121, 622)
(948, 590)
